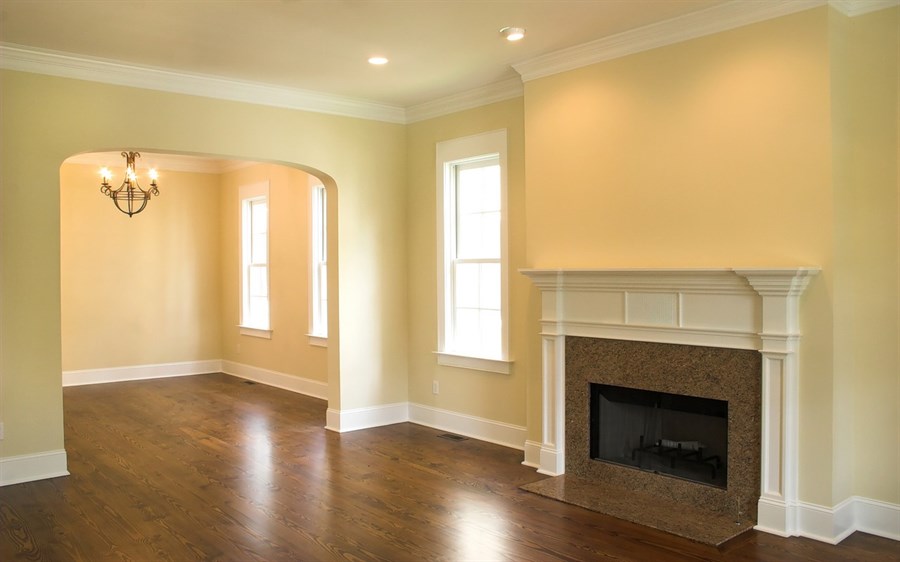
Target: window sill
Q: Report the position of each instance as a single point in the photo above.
(255, 332)
(502, 366)
(317, 341)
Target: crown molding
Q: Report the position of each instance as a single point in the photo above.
(163, 162)
(722, 17)
(719, 18)
(492, 93)
(859, 7)
(67, 65)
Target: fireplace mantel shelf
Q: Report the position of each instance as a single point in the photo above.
(756, 308)
(686, 279)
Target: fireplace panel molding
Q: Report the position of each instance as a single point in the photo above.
(738, 308)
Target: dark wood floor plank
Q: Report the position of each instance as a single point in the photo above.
(211, 468)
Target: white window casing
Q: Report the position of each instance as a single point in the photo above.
(318, 266)
(472, 242)
(254, 231)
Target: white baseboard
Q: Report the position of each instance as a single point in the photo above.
(877, 518)
(482, 429)
(532, 454)
(284, 381)
(343, 421)
(140, 372)
(28, 468)
(834, 524)
(300, 385)
(826, 524)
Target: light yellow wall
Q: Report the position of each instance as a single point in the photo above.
(488, 395)
(47, 119)
(142, 290)
(865, 74)
(289, 350)
(712, 152)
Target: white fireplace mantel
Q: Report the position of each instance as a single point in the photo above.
(748, 308)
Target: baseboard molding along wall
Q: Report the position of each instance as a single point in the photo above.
(300, 385)
(140, 372)
(532, 454)
(834, 524)
(309, 387)
(27, 468)
(483, 429)
(343, 421)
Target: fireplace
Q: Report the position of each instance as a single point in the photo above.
(715, 383)
(670, 434)
(727, 335)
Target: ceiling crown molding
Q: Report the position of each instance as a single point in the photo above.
(492, 93)
(67, 65)
(163, 162)
(859, 7)
(719, 18)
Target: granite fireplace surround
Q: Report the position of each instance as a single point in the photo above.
(725, 334)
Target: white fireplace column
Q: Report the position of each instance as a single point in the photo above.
(732, 308)
(780, 338)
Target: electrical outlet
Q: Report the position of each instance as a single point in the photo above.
(1, 431)
(435, 387)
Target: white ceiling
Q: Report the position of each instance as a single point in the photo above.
(436, 48)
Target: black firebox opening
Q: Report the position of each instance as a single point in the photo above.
(672, 434)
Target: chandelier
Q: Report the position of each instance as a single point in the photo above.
(130, 198)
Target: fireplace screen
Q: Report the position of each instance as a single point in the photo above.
(673, 434)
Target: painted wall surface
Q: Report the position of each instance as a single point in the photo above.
(289, 350)
(142, 290)
(487, 395)
(47, 119)
(865, 53)
(713, 152)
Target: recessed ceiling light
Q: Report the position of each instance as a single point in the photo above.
(513, 33)
(378, 60)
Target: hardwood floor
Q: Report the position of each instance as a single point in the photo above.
(213, 468)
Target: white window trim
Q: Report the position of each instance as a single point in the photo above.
(245, 192)
(255, 332)
(316, 336)
(448, 153)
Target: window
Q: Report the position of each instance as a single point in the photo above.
(255, 260)
(318, 267)
(472, 278)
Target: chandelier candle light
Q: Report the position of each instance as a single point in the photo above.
(130, 198)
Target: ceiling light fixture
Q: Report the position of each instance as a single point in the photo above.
(130, 194)
(513, 33)
(378, 61)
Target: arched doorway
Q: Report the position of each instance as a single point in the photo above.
(158, 293)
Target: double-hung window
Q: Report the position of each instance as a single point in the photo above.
(472, 283)
(255, 260)
(318, 267)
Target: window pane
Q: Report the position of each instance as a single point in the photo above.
(478, 236)
(478, 211)
(478, 189)
(258, 281)
(259, 216)
(258, 313)
(466, 336)
(489, 286)
(490, 330)
(259, 248)
(466, 290)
